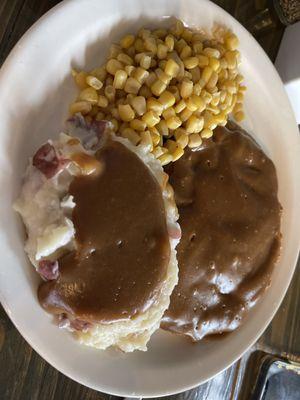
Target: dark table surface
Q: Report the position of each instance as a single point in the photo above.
(24, 375)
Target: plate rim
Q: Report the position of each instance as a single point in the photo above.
(23, 42)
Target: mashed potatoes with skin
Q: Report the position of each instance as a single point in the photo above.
(46, 209)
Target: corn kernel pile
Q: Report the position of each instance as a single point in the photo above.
(165, 89)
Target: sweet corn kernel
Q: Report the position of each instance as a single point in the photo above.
(120, 79)
(129, 69)
(139, 105)
(239, 116)
(185, 114)
(167, 99)
(140, 74)
(168, 113)
(89, 94)
(162, 51)
(154, 105)
(194, 124)
(137, 125)
(177, 153)
(102, 101)
(125, 59)
(194, 140)
(170, 145)
(80, 79)
(185, 52)
(186, 88)
(157, 152)
(114, 50)
(172, 68)
(146, 141)
(132, 85)
(231, 42)
(110, 92)
(203, 61)
(231, 59)
(206, 74)
(180, 106)
(113, 65)
(181, 137)
(191, 62)
(169, 41)
(126, 112)
(158, 87)
(155, 136)
(178, 28)
(165, 159)
(127, 41)
(94, 82)
(82, 107)
(150, 44)
(196, 74)
(162, 128)
(145, 92)
(145, 61)
(214, 63)
(197, 47)
(212, 80)
(210, 52)
(161, 75)
(206, 133)
(173, 122)
(131, 135)
(150, 118)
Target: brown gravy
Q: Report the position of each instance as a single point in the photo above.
(226, 194)
(122, 242)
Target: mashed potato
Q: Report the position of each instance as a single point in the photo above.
(46, 209)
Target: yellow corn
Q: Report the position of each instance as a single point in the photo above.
(206, 133)
(110, 92)
(172, 68)
(89, 94)
(132, 85)
(177, 153)
(126, 112)
(186, 88)
(137, 125)
(127, 41)
(239, 116)
(158, 87)
(140, 74)
(155, 105)
(125, 59)
(131, 135)
(194, 124)
(150, 118)
(82, 107)
(180, 106)
(120, 79)
(102, 101)
(191, 62)
(113, 65)
(162, 51)
(173, 122)
(167, 99)
(168, 113)
(194, 140)
(165, 159)
(139, 105)
(94, 82)
(146, 141)
(169, 41)
(162, 128)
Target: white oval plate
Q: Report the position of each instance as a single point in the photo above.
(35, 90)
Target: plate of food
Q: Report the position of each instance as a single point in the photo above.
(150, 181)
